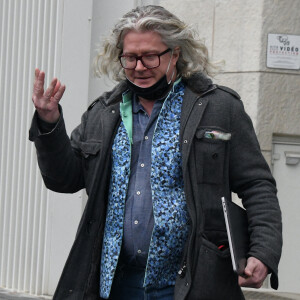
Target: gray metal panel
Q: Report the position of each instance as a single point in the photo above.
(287, 176)
(30, 37)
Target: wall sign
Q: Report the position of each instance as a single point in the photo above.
(283, 51)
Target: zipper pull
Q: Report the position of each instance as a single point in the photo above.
(182, 270)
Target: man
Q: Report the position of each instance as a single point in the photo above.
(156, 154)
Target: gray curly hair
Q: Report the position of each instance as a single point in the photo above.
(193, 53)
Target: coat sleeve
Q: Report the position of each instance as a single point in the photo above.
(251, 179)
(58, 157)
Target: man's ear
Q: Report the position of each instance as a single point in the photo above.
(176, 52)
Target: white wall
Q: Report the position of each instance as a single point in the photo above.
(103, 19)
(65, 209)
(28, 39)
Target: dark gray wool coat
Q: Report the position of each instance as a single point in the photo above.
(211, 169)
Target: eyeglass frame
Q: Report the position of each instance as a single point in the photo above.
(140, 58)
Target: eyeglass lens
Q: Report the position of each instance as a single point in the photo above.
(148, 61)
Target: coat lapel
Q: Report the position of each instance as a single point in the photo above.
(193, 107)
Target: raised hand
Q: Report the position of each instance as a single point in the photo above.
(46, 103)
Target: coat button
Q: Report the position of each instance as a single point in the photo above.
(215, 155)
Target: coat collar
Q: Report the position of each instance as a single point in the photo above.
(198, 83)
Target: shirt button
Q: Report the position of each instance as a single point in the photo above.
(142, 165)
(139, 251)
(146, 137)
(138, 192)
(136, 222)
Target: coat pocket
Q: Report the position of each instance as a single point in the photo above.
(89, 151)
(213, 277)
(210, 158)
(89, 148)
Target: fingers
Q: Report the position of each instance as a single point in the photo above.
(57, 86)
(58, 95)
(54, 92)
(50, 90)
(58, 91)
(255, 273)
(46, 103)
(36, 73)
(250, 282)
(38, 86)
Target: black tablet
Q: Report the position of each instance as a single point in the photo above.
(238, 237)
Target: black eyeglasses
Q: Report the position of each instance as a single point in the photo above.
(149, 61)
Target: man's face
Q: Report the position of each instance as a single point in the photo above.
(140, 43)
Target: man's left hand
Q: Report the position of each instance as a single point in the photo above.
(255, 274)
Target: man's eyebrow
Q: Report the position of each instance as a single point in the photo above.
(143, 52)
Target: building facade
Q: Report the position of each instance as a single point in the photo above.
(37, 226)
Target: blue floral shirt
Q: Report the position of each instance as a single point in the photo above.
(170, 214)
(139, 220)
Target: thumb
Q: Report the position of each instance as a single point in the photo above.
(249, 267)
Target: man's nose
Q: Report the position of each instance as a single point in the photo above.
(139, 66)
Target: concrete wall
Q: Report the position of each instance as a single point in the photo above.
(231, 30)
(279, 90)
(236, 31)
